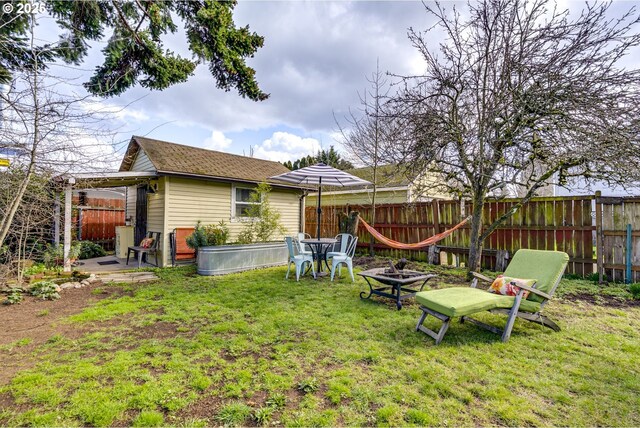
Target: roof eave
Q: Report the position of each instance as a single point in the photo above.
(227, 179)
(105, 179)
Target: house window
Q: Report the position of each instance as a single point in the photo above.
(241, 202)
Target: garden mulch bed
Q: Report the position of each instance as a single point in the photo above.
(35, 321)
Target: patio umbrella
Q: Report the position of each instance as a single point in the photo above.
(320, 175)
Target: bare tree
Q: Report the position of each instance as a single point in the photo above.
(368, 134)
(521, 93)
(49, 124)
(31, 227)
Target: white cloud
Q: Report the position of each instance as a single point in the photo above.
(217, 141)
(114, 111)
(315, 60)
(283, 146)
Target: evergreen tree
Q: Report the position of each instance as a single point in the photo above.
(330, 157)
(134, 52)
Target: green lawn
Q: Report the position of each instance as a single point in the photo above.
(254, 349)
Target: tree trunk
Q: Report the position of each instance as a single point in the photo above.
(475, 244)
(22, 189)
(373, 215)
(5, 225)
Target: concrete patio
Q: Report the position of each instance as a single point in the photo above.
(108, 264)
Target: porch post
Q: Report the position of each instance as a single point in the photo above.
(56, 220)
(67, 223)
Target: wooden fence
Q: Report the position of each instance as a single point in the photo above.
(618, 238)
(557, 223)
(96, 220)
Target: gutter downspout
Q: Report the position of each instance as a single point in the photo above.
(301, 211)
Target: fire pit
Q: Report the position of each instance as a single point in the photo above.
(397, 284)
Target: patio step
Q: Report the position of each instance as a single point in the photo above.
(131, 277)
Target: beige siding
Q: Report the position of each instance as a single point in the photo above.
(156, 218)
(142, 162)
(358, 198)
(190, 201)
(130, 210)
(288, 204)
(427, 187)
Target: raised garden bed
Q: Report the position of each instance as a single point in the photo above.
(222, 259)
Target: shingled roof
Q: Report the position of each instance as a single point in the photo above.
(171, 158)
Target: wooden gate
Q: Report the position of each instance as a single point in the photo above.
(618, 238)
(95, 219)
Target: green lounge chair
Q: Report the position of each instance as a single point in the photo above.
(546, 267)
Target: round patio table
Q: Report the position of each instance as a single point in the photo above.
(319, 248)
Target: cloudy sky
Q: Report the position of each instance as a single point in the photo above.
(315, 59)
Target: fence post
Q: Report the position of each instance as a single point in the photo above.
(433, 255)
(627, 278)
(599, 240)
(436, 215)
(502, 260)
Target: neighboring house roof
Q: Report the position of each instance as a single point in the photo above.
(179, 159)
(386, 175)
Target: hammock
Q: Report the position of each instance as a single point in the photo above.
(416, 246)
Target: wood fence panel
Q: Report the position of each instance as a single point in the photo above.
(558, 223)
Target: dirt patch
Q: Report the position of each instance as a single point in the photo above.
(34, 321)
(158, 330)
(367, 262)
(602, 300)
(205, 407)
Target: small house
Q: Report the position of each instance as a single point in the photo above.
(171, 185)
(393, 187)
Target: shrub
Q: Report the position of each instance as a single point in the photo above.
(217, 234)
(308, 385)
(54, 255)
(635, 290)
(89, 250)
(211, 234)
(35, 269)
(246, 236)
(14, 296)
(46, 290)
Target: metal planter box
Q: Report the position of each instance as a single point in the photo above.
(223, 259)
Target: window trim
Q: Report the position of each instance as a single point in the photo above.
(234, 201)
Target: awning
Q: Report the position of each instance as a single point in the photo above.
(105, 179)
